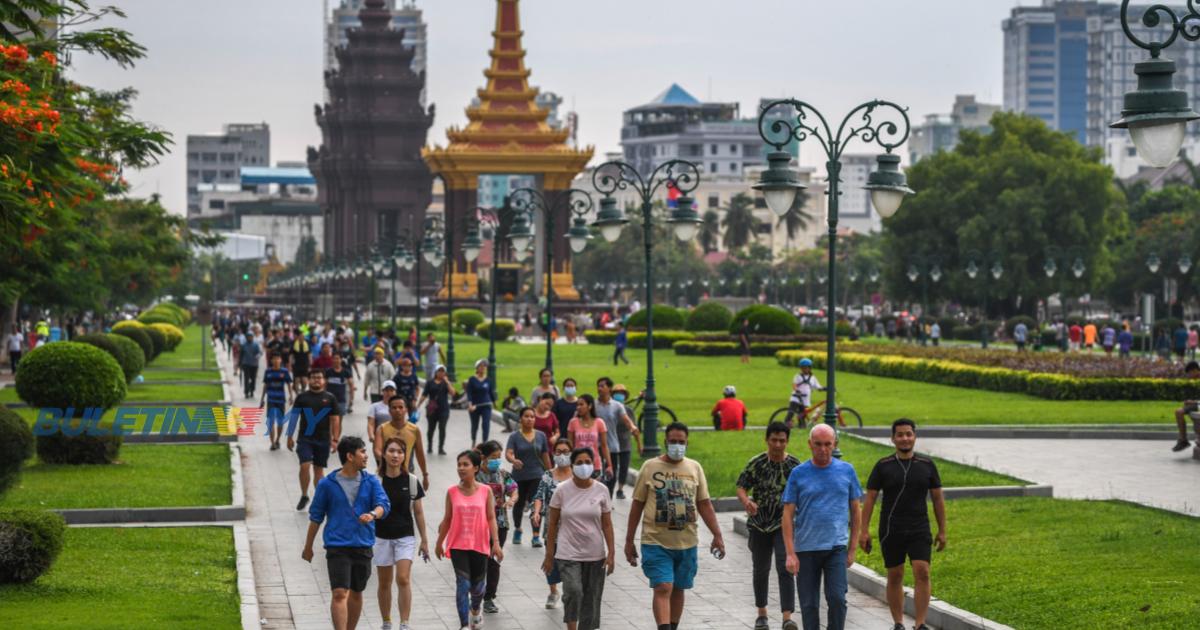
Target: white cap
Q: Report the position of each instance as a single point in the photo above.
(730, 390)
(439, 368)
(387, 384)
(480, 362)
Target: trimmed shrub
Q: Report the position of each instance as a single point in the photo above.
(766, 320)
(731, 348)
(601, 337)
(505, 328)
(165, 313)
(126, 324)
(82, 450)
(709, 316)
(127, 353)
(158, 340)
(30, 541)
(662, 339)
(70, 374)
(468, 319)
(665, 318)
(141, 338)
(16, 446)
(173, 334)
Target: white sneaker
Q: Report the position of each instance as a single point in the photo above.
(404, 626)
(387, 625)
(476, 622)
(552, 601)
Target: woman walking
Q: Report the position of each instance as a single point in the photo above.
(438, 394)
(545, 384)
(480, 399)
(505, 490)
(395, 543)
(564, 408)
(528, 451)
(544, 419)
(467, 535)
(579, 541)
(551, 480)
(588, 431)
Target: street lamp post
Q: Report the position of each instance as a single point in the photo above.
(434, 253)
(1071, 259)
(1183, 263)
(925, 268)
(683, 176)
(526, 201)
(996, 271)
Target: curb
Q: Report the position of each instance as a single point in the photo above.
(246, 585)
(235, 511)
(1023, 433)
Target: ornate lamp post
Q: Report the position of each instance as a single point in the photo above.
(996, 271)
(1071, 259)
(1153, 263)
(924, 268)
(435, 247)
(610, 177)
(525, 202)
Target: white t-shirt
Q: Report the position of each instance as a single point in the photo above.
(802, 388)
(580, 522)
(15, 342)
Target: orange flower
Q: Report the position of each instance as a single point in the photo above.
(50, 58)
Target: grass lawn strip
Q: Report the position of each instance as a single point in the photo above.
(1055, 563)
(151, 376)
(131, 577)
(147, 475)
(724, 454)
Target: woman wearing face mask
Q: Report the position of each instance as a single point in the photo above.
(560, 474)
(544, 419)
(580, 542)
(467, 534)
(588, 431)
(545, 385)
(564, 408)
(528, 452)
(505, 490)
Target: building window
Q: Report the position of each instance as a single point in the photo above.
(1131, 151)
(733, 167)
(712, 168)
(1041, 66)
(228, 158)
(193, 172)
(193, 156)
(216, 204)
(208, 176)
(712, 149)
(733, 149)
(208, 157)
(228, 174)
(714, 201)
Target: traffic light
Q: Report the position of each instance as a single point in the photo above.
(245, 276)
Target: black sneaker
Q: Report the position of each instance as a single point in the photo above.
(762, 624)
(790, 625)
(620, 494)
(490, 607)
(921, 627)
(303, 502)
(1180, 445)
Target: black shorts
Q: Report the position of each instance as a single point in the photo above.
(315, 451)
(916, 544)
(349, 567)
(300, 369)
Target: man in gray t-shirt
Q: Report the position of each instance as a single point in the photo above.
(431, 354)
(616, 420)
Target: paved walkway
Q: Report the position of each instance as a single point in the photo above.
(295, 594)
(1140, 471)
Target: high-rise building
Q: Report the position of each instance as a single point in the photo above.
(855, 211)
(214, 161)
(939, 132)
(405, 16)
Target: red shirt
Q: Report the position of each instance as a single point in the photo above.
(1075, 333)
(733, 414)
(547, 424)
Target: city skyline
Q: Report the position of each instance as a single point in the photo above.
(273, 58)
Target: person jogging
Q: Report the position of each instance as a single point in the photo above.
(906, 479)
(760, 491)
(437, 396)
(580, 543)
(551, 480)
(395, 543)
(467, 535)
(804, 384)
(820, 520)
(503, 487)
(480, 400)
(399, 426)
(277, 394)
(319, 417)
(528, 452)
(349, 502)
(670, 492)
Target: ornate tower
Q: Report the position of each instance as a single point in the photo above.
(507, 134)
(370, 176)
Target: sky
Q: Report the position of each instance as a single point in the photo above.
(213, 62)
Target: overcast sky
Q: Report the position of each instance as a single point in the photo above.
(212, 62)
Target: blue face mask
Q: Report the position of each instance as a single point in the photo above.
(619, 397)
(493, 465)
(570, 391)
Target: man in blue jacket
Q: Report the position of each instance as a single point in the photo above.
(351, 500)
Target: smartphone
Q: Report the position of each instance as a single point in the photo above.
(425, 557)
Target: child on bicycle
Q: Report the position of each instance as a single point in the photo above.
(803, 385)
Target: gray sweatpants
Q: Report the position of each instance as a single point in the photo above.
(583, 588)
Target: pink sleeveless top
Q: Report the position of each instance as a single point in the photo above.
(469, 530)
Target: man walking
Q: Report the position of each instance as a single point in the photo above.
(760, 491)
(905, 479)
(820, 519)
(378, 371)
(669, 493)
(248, 360)
(339, 380)
(277, 394)
(320, 419)
(620, 343)
(351, 500)
(433, 356)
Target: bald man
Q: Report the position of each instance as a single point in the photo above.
(820, 518)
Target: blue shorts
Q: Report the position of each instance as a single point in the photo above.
(276, 415)
(669, 566)
(315, 451)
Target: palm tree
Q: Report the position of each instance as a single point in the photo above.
(796, 218)
(710, 231)
(740, 223)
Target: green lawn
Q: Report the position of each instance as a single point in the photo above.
(168, 577)
(173, 393)
(151, 375)
(690, 385)
(724, 454)
(187, 354)
(147, 475)
(1056, 563)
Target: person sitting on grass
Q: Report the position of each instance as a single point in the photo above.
(729, 414)
(1192, 371)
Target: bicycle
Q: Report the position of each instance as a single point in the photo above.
(635, 409)
(816, 414)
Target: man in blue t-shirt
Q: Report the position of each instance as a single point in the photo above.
(277, 393)
(820, 518)
(619, 344)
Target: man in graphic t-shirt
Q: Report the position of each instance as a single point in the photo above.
(319, 418)
(339, 380)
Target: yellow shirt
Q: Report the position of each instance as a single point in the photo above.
(670, 492)
(410, 433)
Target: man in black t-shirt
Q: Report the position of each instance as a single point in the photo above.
(339, 380)
(905, 478)
(319, 417)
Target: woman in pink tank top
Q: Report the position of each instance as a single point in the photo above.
(467, 534)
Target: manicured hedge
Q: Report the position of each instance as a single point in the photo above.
(139, 336)
(129, 355)
(1042, 385)
(766, 320)
(166, 313)
(505, 328)
(662, 339)
(731, 348)
(16, 446)
(127, 324)
(468, 319)
(709, 316)
(665, 318)
(78, 450)
(157, 339)
(30, 541)
(70, 374)
(174, 336)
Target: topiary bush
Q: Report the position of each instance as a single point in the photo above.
(16, 446)
(139, 336)
(80, 450)
(709, 316)
(165, 313)
(505, 328)
(158, 340)
(70, 374)
(127, 353)
(173, 334)
(665, 318)
(127, 324)
(766, 320)
(468, 319)
(30, 541)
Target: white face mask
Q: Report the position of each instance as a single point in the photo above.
(583, 471)
(562, 461)
(676, 451)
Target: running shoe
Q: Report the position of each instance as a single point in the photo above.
(536, 543)
(476, 622)
(489, 607)
(921, 627)
(1180, 445)
(516, 537)
(790, 625)
(620, 494)
(404, 626)
(387, 625)
(303, 502)
(762, 624)
(552, 601)
(898, 626)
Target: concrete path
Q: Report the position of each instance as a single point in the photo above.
(295, 594)
(1141, 471)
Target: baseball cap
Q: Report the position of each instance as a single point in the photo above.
(391, 384)
(480, 362)
(730, 390)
